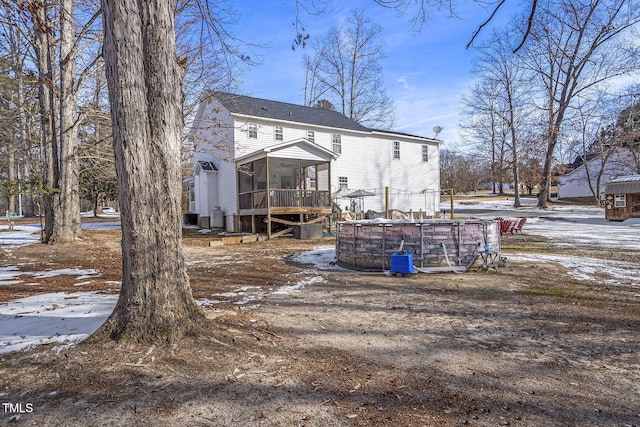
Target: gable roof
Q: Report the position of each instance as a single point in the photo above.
(276, 110)
(206, 166)
(272, 151)
(623, 185)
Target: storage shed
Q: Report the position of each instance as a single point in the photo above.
(622, 196)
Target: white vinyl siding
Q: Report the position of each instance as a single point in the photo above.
(367, 160)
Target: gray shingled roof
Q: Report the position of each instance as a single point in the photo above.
(258, 107)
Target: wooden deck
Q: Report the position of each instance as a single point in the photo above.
(284, 202)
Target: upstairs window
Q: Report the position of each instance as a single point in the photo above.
(337, 143)
(425, 153)
(396, 150)
(252, 130)
(311, 136)
(277, 133)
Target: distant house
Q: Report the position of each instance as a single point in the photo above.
(575, 184)
(258, 162)
(622, 198)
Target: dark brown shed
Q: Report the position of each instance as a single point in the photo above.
(622, 196)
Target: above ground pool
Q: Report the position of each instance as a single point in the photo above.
(434, 245)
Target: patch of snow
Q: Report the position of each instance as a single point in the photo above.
(299, 285)
(83, 283)
(54, 317)
(585, 268)
(9, 274)
(22, 235)
(84, 274)
(321, 257)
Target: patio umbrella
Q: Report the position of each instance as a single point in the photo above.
(360, 194)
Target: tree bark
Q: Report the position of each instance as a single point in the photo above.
(46, 100)
(144, 83)
(66, 227)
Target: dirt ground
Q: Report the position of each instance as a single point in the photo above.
(526, 345)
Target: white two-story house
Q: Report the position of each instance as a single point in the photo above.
(258, 163)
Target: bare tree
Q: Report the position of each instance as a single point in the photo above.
(422, 10)
(502, 67)
(483, 125)
(591, 131)
(574, 47)
(144, 80)
(14, 48)
(44, 53)
(501, 71)
(346, 71)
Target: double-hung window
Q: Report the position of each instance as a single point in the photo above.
(311, 136)
(396, 150)
(278, 134)
(620, 201)
(425, 153)
(336, 143)
(252, 130)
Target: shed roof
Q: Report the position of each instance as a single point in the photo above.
(623, 185)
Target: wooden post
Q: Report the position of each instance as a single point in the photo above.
(451, 201)
(386, 202)
(268, 193)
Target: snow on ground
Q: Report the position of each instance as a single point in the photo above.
(53, 317)
(575, 226)
(288, 289)
(585, 268)
(69, 318)
(322, 258)
(21, 235)
(9, 275)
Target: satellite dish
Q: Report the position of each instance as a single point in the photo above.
(437, 130)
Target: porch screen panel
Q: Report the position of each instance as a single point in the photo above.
(245, 178)
(260, 174)
(322, 176)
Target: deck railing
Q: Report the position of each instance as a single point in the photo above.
(285, 199)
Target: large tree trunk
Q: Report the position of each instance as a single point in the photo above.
(66, 227)
(144, 83)
(46, 99)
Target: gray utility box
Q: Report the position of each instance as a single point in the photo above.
(307, 231)
(217, 218)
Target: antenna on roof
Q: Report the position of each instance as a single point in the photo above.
(437, 130)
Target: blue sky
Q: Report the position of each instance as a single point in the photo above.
(425, 72)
